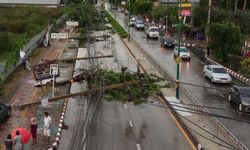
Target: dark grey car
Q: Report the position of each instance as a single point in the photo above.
(167, 42)
(240, 95)
(5, 111)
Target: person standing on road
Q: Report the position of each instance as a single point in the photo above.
(8, 142)
(208, 51)
(47, 125)
(33, 129)
(17, 142)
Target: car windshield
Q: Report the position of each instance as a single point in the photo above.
(168, 40)
(219, 70)
(245, 92)
(139, 21)
(182, 49)
(154, 30)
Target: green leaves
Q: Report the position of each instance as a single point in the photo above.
(136, 93)
(118, 28)
(225, 39)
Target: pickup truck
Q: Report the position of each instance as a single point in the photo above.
(153, 32)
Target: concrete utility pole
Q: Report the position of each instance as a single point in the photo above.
(177, 95)
(208, 16)
(129, 20)
(209, 11)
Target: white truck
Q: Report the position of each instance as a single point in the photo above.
(153, 32)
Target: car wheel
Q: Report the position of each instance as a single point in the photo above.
(240, 107)
(229, 97)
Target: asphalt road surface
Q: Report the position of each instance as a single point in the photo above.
(191, 72)
(128, 127)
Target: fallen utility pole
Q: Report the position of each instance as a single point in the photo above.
(83, 93)
(94, 57)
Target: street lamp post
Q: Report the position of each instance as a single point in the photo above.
(128, 20)
(177, 94)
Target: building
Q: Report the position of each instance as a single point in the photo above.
(30, 2)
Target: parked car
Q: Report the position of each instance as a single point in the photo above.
(240, 95)
(184, 53)
(139, 24)
(217, 74)
(5, 111)
(132, 21)
(153, 32)
(167, 42)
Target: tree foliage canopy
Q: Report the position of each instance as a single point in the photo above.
(225, 39)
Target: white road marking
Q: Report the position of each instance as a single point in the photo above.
(125, 106)
(138, 146)
(177, 105)
(221, 95)
(131, 124)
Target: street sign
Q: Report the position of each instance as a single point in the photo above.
(185, 5)
(54, 69)
(59, 35)
(72, 23)
(44, 102)
(184, 12)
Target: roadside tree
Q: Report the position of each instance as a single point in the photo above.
(225, 39)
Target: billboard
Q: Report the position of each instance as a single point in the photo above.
(184, 12)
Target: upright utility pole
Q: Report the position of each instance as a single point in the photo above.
(208, 15)
(129, 20)
(209, 11)
(177, 95)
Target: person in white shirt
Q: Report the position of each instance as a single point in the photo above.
(47, 125)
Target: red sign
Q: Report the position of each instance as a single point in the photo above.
(185, 12)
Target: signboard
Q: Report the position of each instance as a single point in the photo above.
(59, 35)
(44, 102)
(185, 5)
(54, 69)
(72, 23)
(42, 71)
(184, 13)
(123, 3)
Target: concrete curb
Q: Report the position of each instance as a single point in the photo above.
(60, 127)
(231, 72)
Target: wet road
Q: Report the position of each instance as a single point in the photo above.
(152, 128)
(191, 72)
(126, 126)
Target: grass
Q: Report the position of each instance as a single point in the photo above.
(118, 28)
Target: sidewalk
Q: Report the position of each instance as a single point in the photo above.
(19, 88)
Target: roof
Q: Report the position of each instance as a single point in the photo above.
(30, 2)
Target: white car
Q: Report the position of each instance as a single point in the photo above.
(184, 53)
(217, 74)
(153, 32)
(132, 21)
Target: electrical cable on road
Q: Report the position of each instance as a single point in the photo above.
(207, 113)
(212, 88)
(212, 107)
(210, 139)
(232, 147)
(206, 131)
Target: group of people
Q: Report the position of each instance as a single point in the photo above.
(17, 141)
